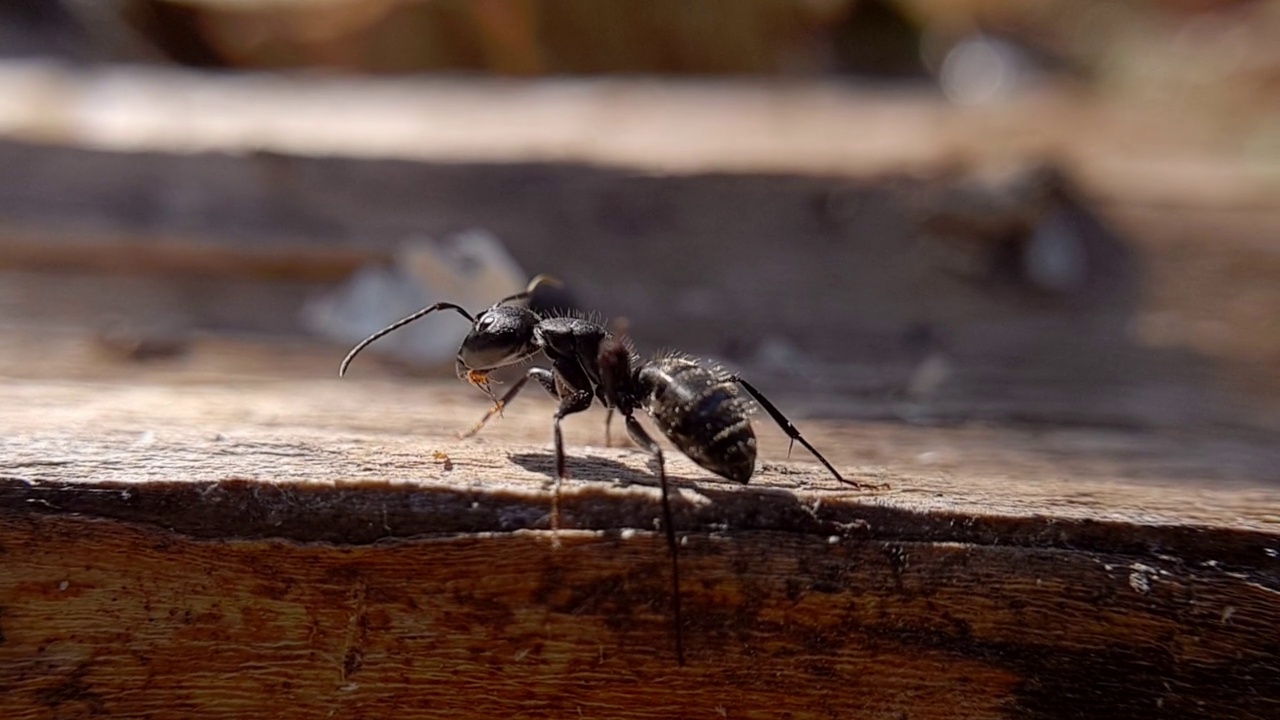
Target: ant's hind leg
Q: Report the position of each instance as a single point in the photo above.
(792, 432)
(642, 439)
(544, 378)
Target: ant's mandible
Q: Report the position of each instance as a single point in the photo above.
(697, 408)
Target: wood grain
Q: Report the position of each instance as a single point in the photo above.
(135, 621)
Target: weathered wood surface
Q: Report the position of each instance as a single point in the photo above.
(179, 541)
(1144, 152)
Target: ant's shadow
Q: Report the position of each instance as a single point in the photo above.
(594, 467)
(602, 469)
(725, 503)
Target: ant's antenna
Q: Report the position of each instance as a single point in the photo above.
(534, 284)
(346, 361)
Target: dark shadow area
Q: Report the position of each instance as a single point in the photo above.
(354, 515)
(599, 468)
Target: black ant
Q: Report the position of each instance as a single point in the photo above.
(696, 407)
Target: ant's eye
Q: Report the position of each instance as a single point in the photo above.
(485, 322)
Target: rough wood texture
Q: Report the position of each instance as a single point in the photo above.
(297, 548)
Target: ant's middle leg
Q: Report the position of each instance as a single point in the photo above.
(574, 401)
(791, 430)
(642, 439)
(544, 377)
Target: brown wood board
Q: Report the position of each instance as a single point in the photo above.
(296, 548)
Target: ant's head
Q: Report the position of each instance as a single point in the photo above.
(502, 335)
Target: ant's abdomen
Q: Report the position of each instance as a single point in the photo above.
(701, 413)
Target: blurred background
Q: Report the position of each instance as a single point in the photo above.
(1020, 217)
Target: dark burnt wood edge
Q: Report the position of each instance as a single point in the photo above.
(354, 514)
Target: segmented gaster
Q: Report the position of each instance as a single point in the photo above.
(700, 412)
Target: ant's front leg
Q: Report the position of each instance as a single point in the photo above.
(544, 377)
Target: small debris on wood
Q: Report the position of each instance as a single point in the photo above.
(444, 458)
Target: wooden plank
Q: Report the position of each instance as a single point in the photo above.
(290, 548)
(68, 381)
(134, 254)
(1137, 151)
(128, 620)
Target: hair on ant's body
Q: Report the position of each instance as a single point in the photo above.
(698, 408)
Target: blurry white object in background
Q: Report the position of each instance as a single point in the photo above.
(1055, 259)
(472, 269)
(981, 69)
